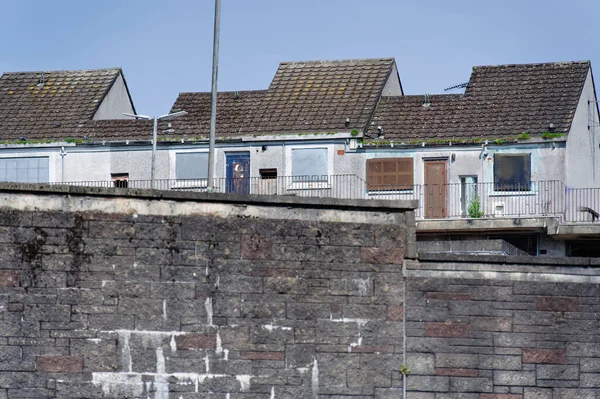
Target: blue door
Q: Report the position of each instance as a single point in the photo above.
(238, 172)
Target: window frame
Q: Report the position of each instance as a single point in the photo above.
(503, 188)
(184, 183)
(27, 158)
(308, 185)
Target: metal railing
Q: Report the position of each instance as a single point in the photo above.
(443, 201)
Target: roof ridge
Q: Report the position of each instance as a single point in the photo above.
(588, 62)
(225, 92)
(338, 60)
(62, 71)
(431, 95)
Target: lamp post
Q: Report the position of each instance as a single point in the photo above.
(156, 119)
(213, 102)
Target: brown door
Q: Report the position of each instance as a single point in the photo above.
(435, 190)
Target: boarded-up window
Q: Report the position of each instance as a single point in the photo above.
(191, 165)
(512, 172)
(390, 174)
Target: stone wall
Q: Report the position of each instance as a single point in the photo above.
(114, 294)
(125, 294)
(505, 328)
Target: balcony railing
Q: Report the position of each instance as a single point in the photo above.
(443, 201)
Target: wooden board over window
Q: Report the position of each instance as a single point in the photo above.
(385, 174)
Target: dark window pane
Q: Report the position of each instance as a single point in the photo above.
(512, 172)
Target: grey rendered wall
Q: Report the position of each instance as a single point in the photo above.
(583, 154)
(115, 103)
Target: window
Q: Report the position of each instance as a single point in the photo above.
(309, 164)
(512, 172)
(191, 165)
(385, 174)
(25, 170)
(120, 180)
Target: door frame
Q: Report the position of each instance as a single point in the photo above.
(233, 185)
(431, 189)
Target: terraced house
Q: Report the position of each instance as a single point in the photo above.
(514, 157)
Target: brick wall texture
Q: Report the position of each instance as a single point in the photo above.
(98, 305)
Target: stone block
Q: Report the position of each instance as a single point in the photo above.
(196, 341)
(518, 378)
(368, 378)
(565, 393)
(10, 278)
(446, 330)
(354, 311)
(59, 364)
(590, 365)
(589, 380)
(537, 393)
(490, 324)
(557, 304)
(557, 372)
(395, 312)
(457, 372)
(285, 285)
(544, 356)
(427, 383)
(470, 384)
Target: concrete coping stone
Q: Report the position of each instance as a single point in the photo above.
(234, 199)
(510, 259)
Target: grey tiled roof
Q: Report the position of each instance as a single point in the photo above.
(500, 101)
(313, 96)
(238, 113)
(54, 109)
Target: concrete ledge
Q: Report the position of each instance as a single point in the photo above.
(565, 231)
(233, 199)
(540, 224)
(509, 259)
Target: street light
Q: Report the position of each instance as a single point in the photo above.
(156, 119)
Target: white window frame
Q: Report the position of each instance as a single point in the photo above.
(533, 185)
(317, 185)
(198, 183)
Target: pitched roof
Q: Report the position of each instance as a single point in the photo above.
(312, 96)
(500, 101)
(238, 113)
(65, 99)
(407, 117)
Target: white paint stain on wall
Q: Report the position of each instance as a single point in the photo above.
(315, 379)
(209, 311)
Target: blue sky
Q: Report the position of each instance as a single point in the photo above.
(165, 47)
